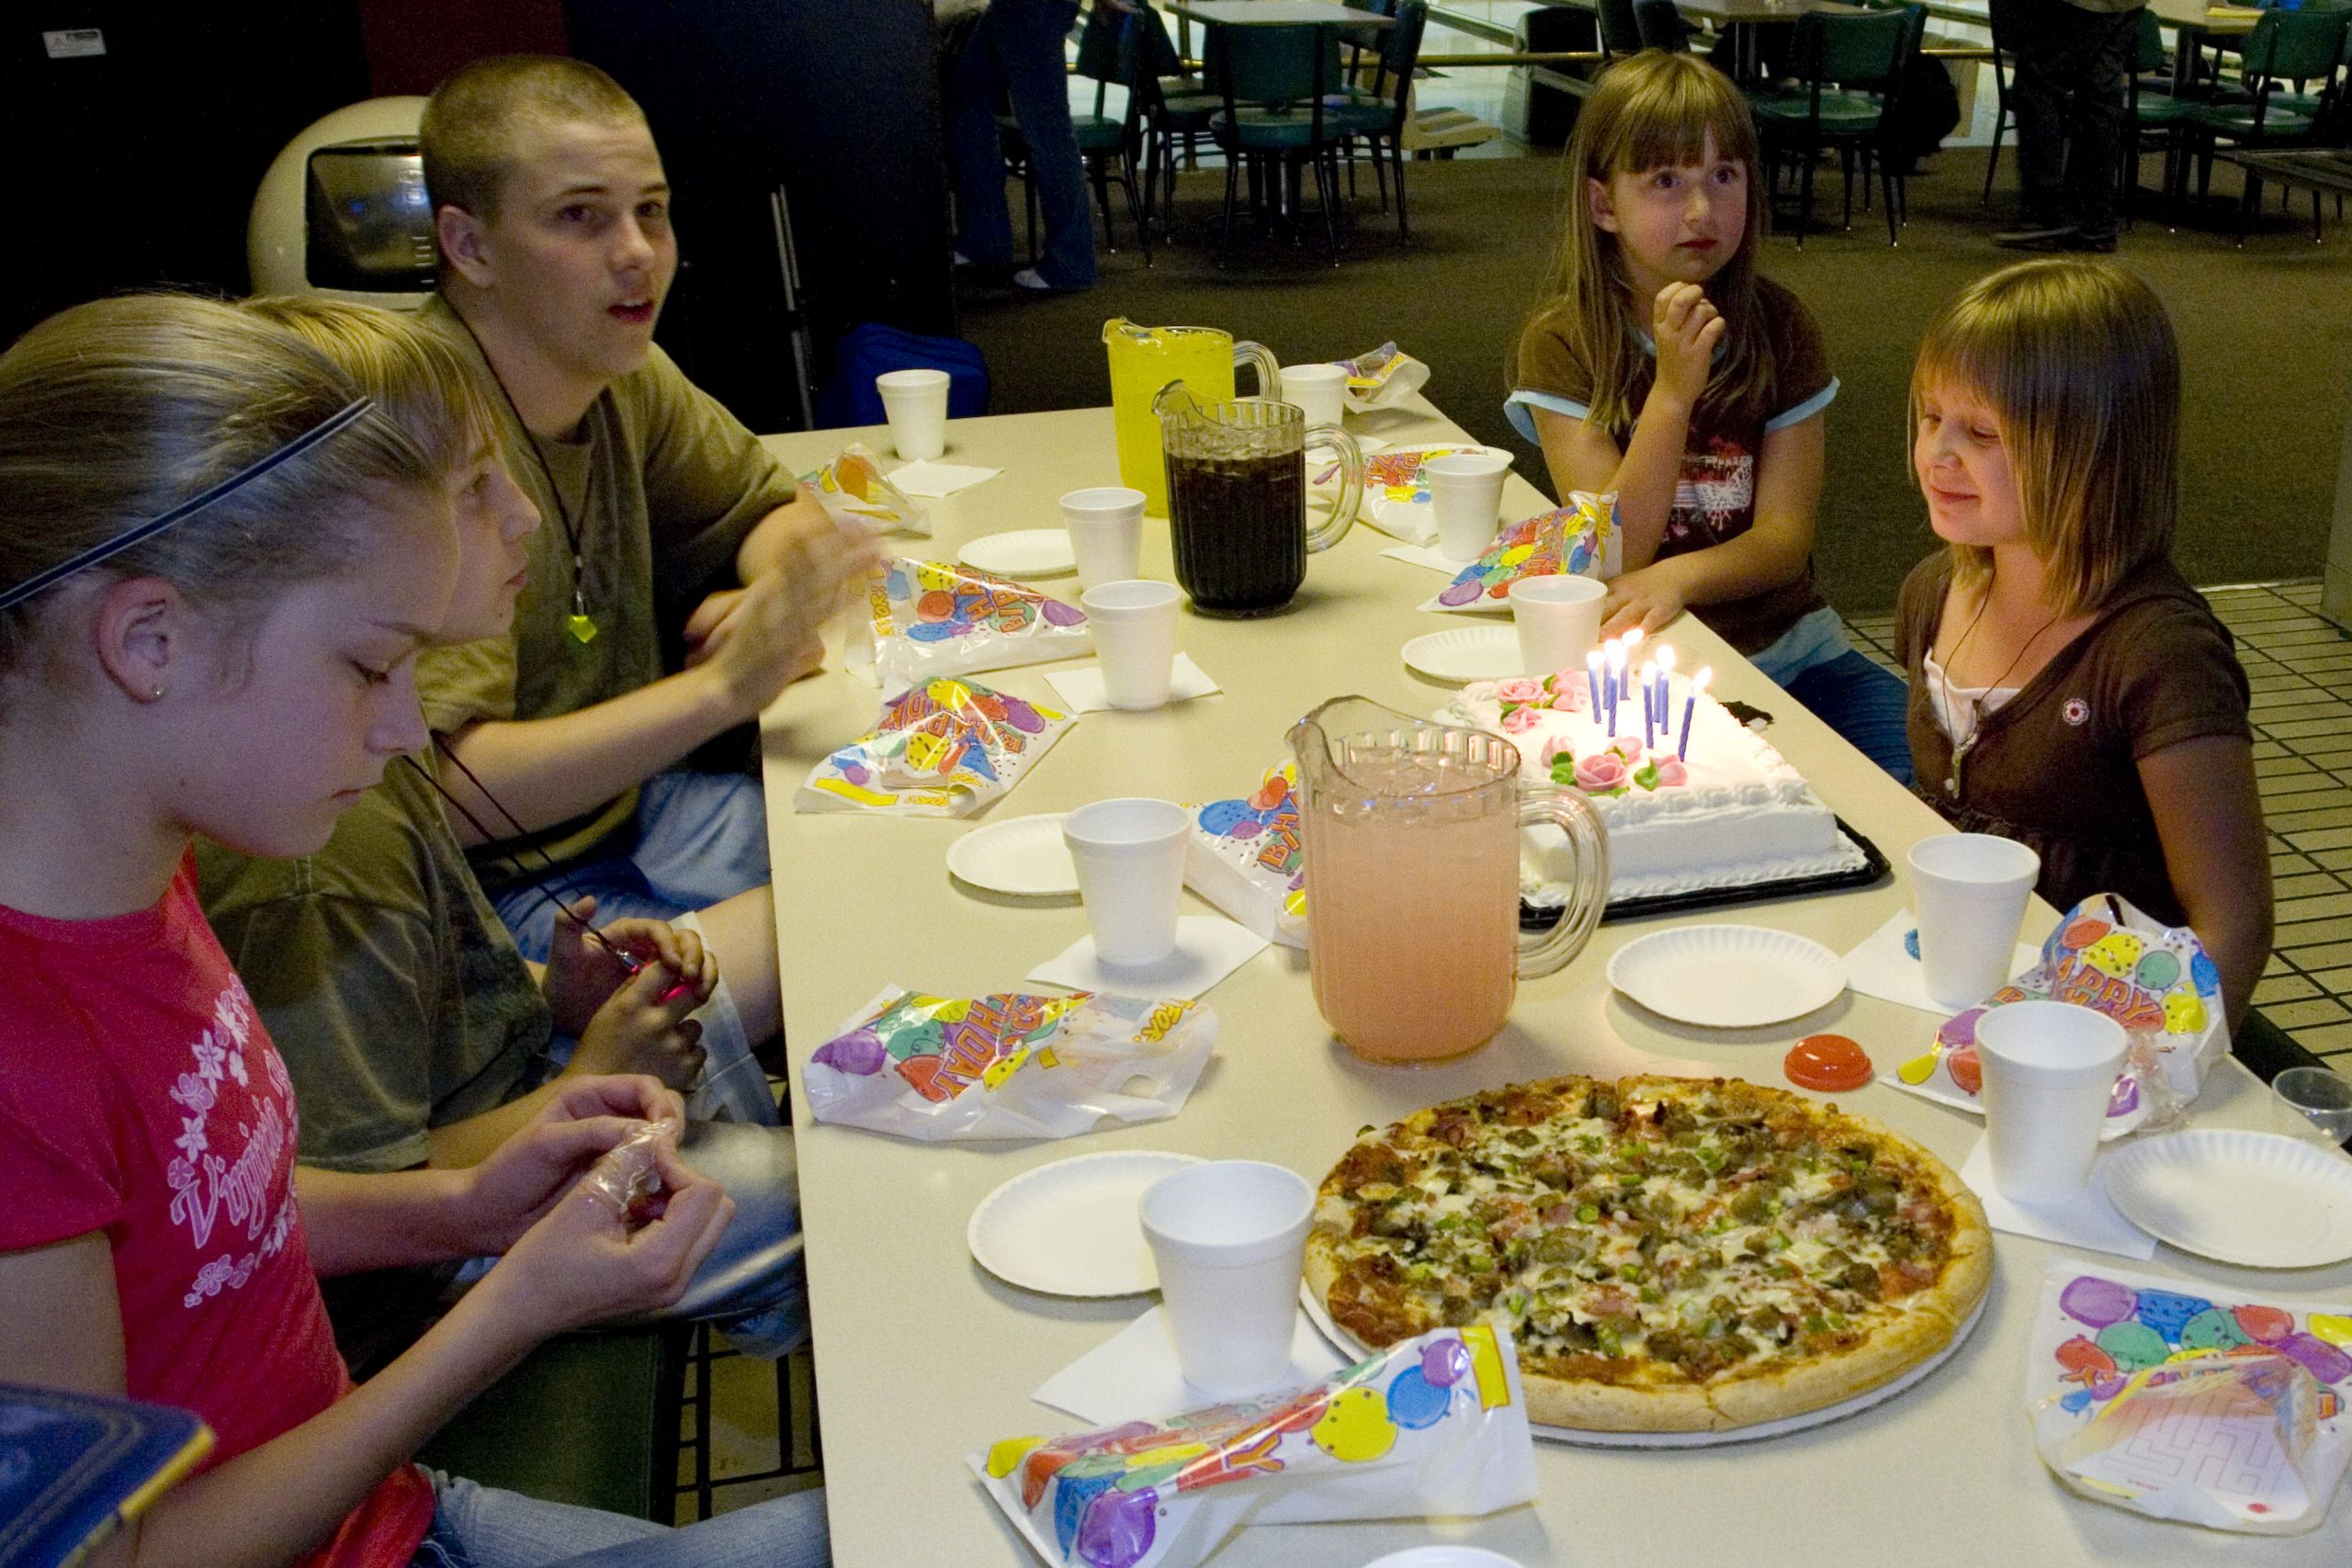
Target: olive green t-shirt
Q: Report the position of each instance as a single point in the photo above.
(661, 485)
(384, 976)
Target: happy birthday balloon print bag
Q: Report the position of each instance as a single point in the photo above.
(925, 619)
(940, 749)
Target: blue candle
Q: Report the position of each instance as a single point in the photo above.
(1689, 705)
(1649, 681)
(1592, 679)
(1664, 688)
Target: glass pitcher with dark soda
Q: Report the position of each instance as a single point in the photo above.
(1236, 497)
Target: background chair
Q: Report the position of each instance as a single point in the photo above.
(2151, 116)
(1173, 110)
(1274, 122)
(1621, 28)
(1107, 54)
(2285, 50)
(1850, 73)
(1380, 120)
(1659, 25)
(2004, 64)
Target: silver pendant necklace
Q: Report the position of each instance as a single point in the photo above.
(1977, 705)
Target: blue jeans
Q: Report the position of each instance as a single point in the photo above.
(1018, 46)
(701, 838)
(481, 1527)
(1862, 702)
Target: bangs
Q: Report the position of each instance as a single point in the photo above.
(1670, 110)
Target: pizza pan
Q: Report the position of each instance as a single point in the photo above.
(1071, 1228)
(1727, 977)
(1347, 1346)
(2255, 1199)
(1024, 856)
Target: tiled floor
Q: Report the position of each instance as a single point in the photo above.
(2301, 668)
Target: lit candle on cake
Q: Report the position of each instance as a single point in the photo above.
(1689, 706)
(1592, 679)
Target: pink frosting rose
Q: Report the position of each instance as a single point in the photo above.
(1519, 689)
(1671, 770)
(1600, 772)
(1554, 749)
(1627, 748)
(1519, 720)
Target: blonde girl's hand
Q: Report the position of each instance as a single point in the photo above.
(644, 1028)
(1648, 599)
(508, 1192)
(582, 1263)
(1686, 328)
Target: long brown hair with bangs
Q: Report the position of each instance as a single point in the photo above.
(1655, 110)
(2077, 362)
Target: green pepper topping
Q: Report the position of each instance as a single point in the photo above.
(1587, 1212)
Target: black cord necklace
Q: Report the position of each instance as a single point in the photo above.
(581, 625)
(1977, 705)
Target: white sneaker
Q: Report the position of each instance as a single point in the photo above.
(1030, 277)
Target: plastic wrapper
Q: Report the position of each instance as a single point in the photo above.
(1383, 378)
(2154, 980)
(1007, 1066)
(625, 1180)
(926, 619)
(943, 749)
(2164, 1398)
(1396, 488)
(853, 489)
(1581, 539)
(1435, 1426)
(1247, 858)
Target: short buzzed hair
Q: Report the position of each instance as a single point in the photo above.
(477, 114)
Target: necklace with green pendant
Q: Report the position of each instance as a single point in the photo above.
(579, 624)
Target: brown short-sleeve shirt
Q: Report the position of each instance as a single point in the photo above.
(1714, 500)
(2056, 767)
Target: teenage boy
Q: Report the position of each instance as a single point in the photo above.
(556, 253)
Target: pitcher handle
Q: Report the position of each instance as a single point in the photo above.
(1544, 953)
(1344, 515)
(1270, 369)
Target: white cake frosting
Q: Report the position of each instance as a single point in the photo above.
(1739, 815)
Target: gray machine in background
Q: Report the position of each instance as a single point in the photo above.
(343, 211)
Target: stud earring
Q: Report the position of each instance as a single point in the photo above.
(159, 693)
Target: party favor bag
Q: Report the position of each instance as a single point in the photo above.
(1383, 378)
(852, 489)
(1396, 490)
(1007, 1065)
(942, 748)
(2154, 980)
(1246, 857)
(1434, 1425)
(2169, 1399)
(1581, 539)
(926, 619)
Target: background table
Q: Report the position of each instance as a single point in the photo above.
(923, 1358)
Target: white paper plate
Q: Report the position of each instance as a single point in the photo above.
(1022, 855)
(1727, 977)
(1071, 1228)
(1466, 653)
(1026, 552)
(1347, 1346)
(2258, 1199)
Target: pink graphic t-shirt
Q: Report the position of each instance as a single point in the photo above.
(141, 1097)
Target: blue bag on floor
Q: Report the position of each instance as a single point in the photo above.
(867, 351)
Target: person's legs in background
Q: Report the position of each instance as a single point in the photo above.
(482, 1526)
(1030, 38)
(983, 228)
(1862, 702)
(2105, 48)
(2038, 30)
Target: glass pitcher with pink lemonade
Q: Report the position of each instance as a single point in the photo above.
(1412, 841)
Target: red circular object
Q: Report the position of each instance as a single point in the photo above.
(1828, 1062)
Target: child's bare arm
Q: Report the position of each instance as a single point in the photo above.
(2209, 818)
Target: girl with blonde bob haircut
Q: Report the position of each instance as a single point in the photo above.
(219, 556)
(1665, 371)
(2069, 689)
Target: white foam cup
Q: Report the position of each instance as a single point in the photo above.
(1134, 626)
(1466, 493)
(1129, 854)
(1969, 892)
(915, 403)
(1230, 1239)
(1446, 1554)
(1558, 620)
(2049, 1071)
(1106, 527)
(1320, 391)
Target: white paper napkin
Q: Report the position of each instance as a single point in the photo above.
(2090, 1221)
(1881, 967)
(1208, 948)
(1429, 556)
(1080, 688)
(1134, 1373)
(935, 480)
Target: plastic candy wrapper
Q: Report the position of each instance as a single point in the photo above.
(852, 489)
(1581, 539)
(1396, 490)
(2160, 1396)
(2154, 980)
(1383, 378)
(942, 748)
(1435, 1426)
(1007, 1065)
(1247, 857)
(927, 619)
(625, 1180)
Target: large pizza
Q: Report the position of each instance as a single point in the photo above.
(1671, 1254)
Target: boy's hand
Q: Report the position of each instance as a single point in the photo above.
(821, 571)
(1648, 599)
(766, 641)
(582, 973)
(525, 1175)
(640, 1031)
(1686, 328)
(582, 1263)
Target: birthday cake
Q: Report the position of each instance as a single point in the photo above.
(1699, 803)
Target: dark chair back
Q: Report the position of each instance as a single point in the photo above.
(1864, 51)
(2293, 46)
(1659, 25)
(1273, 66)
(2151, 56)
(1621, 28)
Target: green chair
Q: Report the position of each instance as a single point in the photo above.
(1107, 49)
(1850, 73)
(2285, 49)
(1273, 80)
(2152, 115)
(1173, 110)
(1380, 122)
(1659, 25)
(1621, 28)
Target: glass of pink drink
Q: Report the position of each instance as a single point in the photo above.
(1412, 868)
